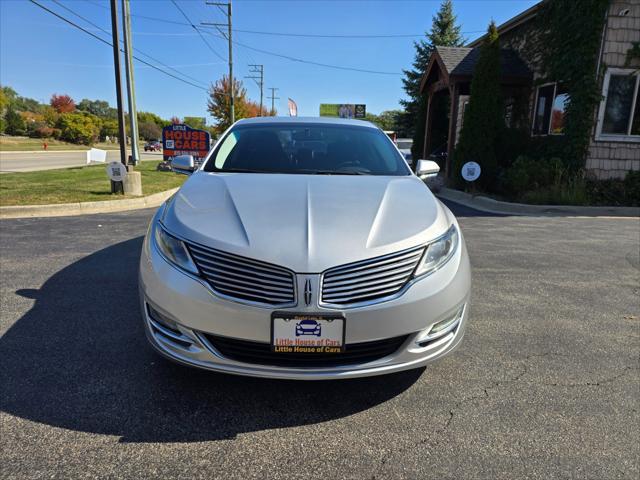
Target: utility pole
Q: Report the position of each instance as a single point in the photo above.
(131, 94)
(229, 37)
(122, 136)
(259, 80)
(273, 99)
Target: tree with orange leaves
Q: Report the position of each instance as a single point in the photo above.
(62, 103)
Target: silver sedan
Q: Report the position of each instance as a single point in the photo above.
(304, 249)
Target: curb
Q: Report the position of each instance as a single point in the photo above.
(8, 152)
(85, 208)
(489, 205)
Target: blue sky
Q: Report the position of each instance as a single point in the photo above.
(41, 55)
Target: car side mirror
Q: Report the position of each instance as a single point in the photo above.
(183, 164)
(427, 168)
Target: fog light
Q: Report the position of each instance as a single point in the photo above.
(440, 329)
(162, 319)
(444, 324)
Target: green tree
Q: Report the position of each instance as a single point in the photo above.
(80, 127)
(387, 120)
(484, 115)
(14, 123)
(100, 108)
(444, 32)
(149, 131)
(109, 128)
(144, 117)
(195, 122)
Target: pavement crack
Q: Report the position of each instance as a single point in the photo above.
(596, 383)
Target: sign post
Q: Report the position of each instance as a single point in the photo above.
(117, 172)
(180, 139)
(471, 172)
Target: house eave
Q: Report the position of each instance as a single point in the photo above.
(512, 23)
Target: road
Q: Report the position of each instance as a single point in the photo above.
(32, 161)
(545, 385)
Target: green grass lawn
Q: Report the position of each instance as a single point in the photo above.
(17, 144)
(79, 184)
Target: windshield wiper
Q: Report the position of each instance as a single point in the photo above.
(333, 172)
(243, 170)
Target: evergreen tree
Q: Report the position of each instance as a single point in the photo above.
(14, 123)
(444, 32)
(484, 116)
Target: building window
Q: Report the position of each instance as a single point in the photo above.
(619, 115)
(550, 108)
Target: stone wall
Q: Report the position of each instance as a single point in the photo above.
(613, 159)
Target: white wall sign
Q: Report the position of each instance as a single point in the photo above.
(96, 155)
(470, 171)
(116, 171)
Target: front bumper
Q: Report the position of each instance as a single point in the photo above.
(192, 309)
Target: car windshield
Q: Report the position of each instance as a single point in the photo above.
(312, 149)
(404, 145)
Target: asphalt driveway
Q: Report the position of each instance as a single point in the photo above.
(546, 384)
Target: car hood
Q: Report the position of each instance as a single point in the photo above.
(307, 223)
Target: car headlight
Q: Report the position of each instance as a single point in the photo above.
(438, 252)
(173, 250)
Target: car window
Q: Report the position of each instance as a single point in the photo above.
(404, 145)
(307, 149)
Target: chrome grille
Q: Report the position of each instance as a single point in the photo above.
(244, 279)
(369, 280)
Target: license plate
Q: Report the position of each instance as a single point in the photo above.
(303, 333)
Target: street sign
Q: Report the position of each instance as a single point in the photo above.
(180, 139)
(471, 171)
(116, 171)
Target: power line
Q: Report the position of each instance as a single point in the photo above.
(319, 64)
(111, 45)
(304, 35)
(196, 29)
(364, 35)
(135, 49)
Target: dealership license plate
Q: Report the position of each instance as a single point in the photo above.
(307, 333)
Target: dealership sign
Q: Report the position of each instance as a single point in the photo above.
(181, 139)
(343, 110)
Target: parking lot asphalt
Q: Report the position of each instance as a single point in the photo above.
(545, 385)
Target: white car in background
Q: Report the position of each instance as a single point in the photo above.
(404, 145)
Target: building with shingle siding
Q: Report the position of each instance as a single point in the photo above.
(614, 146)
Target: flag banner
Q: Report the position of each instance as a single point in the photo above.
(293, 108)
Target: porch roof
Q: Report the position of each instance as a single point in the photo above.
(458, 63)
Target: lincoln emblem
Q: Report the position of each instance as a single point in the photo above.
(307, 292)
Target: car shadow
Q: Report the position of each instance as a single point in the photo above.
(79, 360)
(462, 211)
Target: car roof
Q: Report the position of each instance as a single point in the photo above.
(304, 120)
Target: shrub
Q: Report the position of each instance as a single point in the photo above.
(632, 188)
(43, 132)
(615, 192)
(527, 174)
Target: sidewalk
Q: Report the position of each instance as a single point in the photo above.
(489, 205)
(84, 208)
